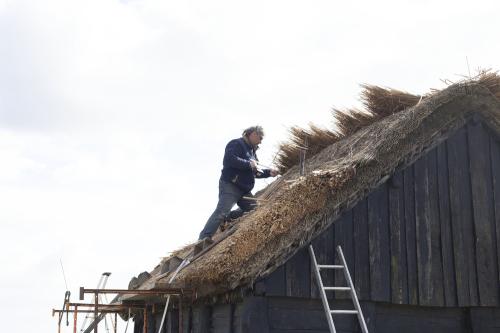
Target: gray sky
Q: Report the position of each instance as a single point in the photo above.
(114, 115)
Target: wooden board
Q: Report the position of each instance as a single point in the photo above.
(423, 231)
(344, 238)
(362, 251)
(201, 319)
(437, 298)
(461, 219)
(411, 245)
(301, 315)
(298, 276)
(399, 288)
(450, 287)
(275, 283)
(378, 229)
(324, 249)
(483, 211)
(495, 167)
(221, 318)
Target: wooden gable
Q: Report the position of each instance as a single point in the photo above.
(427, 236)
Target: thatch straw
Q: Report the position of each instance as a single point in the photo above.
(351, 120)
(379, 102)
(313, 140)
(491, 80)
(386, 101)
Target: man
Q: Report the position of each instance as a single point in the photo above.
(240, 168)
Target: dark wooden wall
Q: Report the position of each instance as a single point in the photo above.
(301, 315)
(428, 236)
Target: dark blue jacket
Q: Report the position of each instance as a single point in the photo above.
(237, 168)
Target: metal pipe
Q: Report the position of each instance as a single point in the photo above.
(75, 315)
(96, 298)
(87, 311)
(126, 306)
(180, 315)
(166, 291)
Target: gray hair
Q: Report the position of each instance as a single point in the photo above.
(258, 129)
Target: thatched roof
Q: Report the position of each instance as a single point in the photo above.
(394, 131)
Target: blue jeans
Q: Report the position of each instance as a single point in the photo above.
(229, 194)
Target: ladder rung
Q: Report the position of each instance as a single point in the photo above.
(336, 288)
(343, 311)
(330, 266)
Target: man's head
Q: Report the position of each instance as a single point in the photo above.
(254, 135)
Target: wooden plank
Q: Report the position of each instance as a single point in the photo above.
(411, 245)
(399, 288)
(378, 230)
(450, 287)
(485, 320)
(461, 219)
(288, 314)
(344, 238)
(423, 232)
(201, 315)
(325, 255)
(412, 319)
(484, 213)
(437, 298)
(253, 316)
(275, 283)
(362, 251)
(495, 167)
(221, 318)
(298, 277)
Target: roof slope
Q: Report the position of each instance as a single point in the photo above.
(340, 175)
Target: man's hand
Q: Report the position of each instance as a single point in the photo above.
(274, 172)
(253, 164)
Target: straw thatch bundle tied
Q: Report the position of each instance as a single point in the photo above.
(383, 102)
(351, 120)
(379, 102)
(312, 140)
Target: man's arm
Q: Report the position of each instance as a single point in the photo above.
(231, 158)
(267, 173)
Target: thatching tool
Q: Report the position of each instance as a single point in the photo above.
(254, 199)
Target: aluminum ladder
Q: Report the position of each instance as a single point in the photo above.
(328, 311)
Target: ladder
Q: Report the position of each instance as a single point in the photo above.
(95, 321)
(328, 311)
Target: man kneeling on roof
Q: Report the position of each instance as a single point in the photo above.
(240, 168)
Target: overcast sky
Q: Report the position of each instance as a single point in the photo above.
(114, 115)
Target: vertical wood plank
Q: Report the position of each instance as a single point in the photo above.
(362, 251)
(495, 167)
(450, 288)
(276, 282)
(298, 277)
(423, 231)
(399, 288)
(411, 245)
(342, 234)
(461, 219)
(378, 229)
(324, 249)
(483, 212)
(437, 298)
